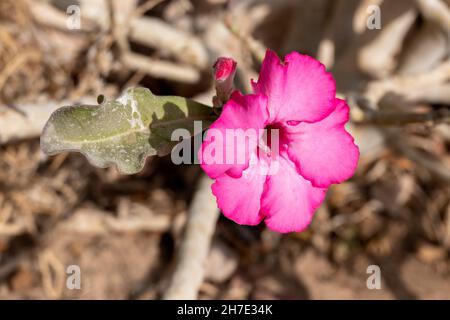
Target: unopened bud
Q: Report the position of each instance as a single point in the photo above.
(224, 71)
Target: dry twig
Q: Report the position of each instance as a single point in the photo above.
(200, 227)
(27, 120)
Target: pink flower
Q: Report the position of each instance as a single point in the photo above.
(296, 97)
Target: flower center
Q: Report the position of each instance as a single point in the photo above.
(270, 140)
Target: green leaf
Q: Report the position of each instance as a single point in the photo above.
(123, 132)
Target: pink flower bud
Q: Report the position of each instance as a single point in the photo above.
(224, 71)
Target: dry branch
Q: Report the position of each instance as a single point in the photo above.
(161, 69)
(403, 118)
(190, 268)
(158, 34)
(437, 11)
(149, 31)
(412, 88)
(378, 58)
(27, 120)
(46, 14)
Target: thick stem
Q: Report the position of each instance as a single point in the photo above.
(202, 218)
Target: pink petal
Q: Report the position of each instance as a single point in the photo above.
(300, 89)
(247, 114)
(242, 114)
(324, 152)
(239, 198)
(288, 200)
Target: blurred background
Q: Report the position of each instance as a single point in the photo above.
(390, 60)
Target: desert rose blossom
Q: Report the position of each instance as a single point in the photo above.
(298, 99)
